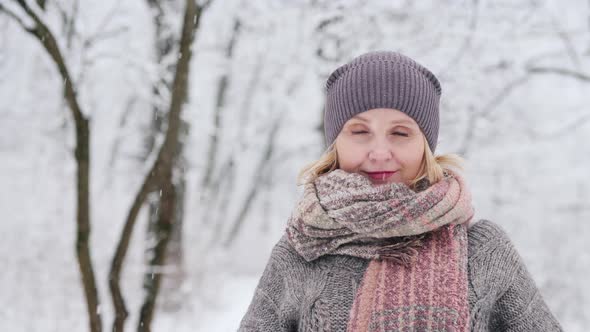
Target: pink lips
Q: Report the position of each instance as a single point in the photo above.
(380, 176)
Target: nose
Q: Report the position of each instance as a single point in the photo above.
(380, 151)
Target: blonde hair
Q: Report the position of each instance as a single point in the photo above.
(432, 167)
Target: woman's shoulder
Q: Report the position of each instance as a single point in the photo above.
(284, 252)
(492, 255)
(484, 233)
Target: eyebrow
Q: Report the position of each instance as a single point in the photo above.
(402, 121)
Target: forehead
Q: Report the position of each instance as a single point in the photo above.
(384, 115)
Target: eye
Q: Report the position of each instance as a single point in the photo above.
(399, 133)
(359, 132)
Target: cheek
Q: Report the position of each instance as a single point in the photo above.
(413, 159)
(349, 157)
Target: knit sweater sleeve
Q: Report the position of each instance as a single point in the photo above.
(273, 306)
(519, 305)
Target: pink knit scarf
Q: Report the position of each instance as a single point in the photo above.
(417, 242)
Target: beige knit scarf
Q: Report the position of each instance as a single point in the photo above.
(417, 243)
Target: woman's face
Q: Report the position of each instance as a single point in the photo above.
(382, 144)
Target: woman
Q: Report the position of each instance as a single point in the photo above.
(383, 238)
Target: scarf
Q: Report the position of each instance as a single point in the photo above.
(416, 241)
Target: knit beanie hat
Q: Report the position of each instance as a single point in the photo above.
(382, 80)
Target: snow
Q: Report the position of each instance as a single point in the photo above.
(527, 155)
(220, 309)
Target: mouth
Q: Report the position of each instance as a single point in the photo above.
(381, 176)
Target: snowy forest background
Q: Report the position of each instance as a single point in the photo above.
(209, 131)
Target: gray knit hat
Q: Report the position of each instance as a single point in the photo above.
(382, 80)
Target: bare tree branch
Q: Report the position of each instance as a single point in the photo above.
(70, 26)
(164, 162)
(466, 44)
(567, 42)
(506, 91)
(263, 165)
(101, 32)
(82, 154)
(563, 130)
(16, 18)
(559, 71)
(485, 111)
(219, 108)
(41, 4)
(129, 106)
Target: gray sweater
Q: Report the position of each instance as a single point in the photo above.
(295, 295)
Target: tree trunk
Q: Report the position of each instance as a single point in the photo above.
(82, 155)
(165, 39)
(163, 231)
(162, 167)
